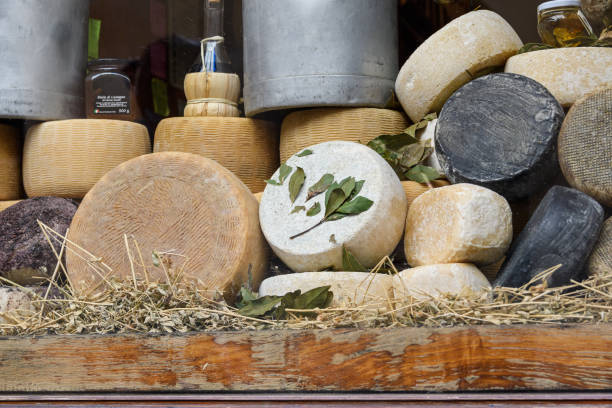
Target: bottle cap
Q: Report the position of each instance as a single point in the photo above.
(558, 3)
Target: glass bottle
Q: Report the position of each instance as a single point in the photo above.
(561, 23)
(108, 90)
(213, 53)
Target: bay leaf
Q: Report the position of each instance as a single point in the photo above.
(336, 198)
(245, 296)
(320, 186)
(314, 298)
(350, 263)
(304, 153)
(273, 182)
(348, 185)
(295, 183)
(284, 172)
(298, 209)
(357, 190)
(336, 217)
(356, 206)
(314, 210)
(412, 155)
(259, 306)
(423, 174)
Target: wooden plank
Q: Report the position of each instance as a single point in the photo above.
(577, 357)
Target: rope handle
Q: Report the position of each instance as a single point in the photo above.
(217, 100)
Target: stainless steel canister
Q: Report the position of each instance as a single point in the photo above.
(303, 53)
(43, 56)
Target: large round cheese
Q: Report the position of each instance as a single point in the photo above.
(562, 231)
(178, 202)
(568, 73)
(66, 158)
(10, 163)
(585, 146)
(456, 224)
(349, 288)
(370, 235)
(600, 261)
(247, 147)
(431, 281)
(308, 127)
(451, 57)
(500, 132)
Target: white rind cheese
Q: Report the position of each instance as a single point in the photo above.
(370, 236)
(456, 224)
(451, 57)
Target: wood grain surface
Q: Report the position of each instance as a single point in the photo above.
(478, 358)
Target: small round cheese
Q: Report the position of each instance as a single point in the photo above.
(370, 235)
(458, 223)
(10, 163)
(568, 73)
(349, 288)
(600, 261)
(431, 281)
(451, 57)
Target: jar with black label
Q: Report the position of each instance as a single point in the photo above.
(108, 91)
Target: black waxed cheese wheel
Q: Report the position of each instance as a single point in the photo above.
(500, 132)
(562, 231)
(585, 146)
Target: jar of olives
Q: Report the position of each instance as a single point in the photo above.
(561, 23)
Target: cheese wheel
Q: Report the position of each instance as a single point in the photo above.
(217, 85)
(6, 204)
(370, 235)
(451, 57)
(66, 158)
(211, 109)
(500, 132)
(10, 163)
(174, 201)
(308, 127)
(414, 189)
(462, 223)
(349, 288)
(247, 147)
(431, 281)
(600, 261)
(585, 146)
(562, 231)
(568, 73)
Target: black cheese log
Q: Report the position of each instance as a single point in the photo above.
(585, 146)
(500, 132)
(563, 230)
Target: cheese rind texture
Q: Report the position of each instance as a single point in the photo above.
(10, 163)
(451, 57)
(600, 261)
(370, 235)
(462, 223)
(568, 73)
(430, 281)
(349, 288)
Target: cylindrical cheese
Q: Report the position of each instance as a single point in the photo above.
(452, 57)
(308, 127)
(458, 223)
(600, 261)
(178, 202)
(216, 85)
(6, 204)
(349, 288)
(369, 235)
(211, 109)
(414, 189)
(568, 73)
(66, 158)
(10, 163)
(247, 147)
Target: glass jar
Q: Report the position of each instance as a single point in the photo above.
(561, 23)
(108, 90)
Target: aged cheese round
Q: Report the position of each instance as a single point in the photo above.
(349, 288)
(247, 147)
(562, 231)
(414, 189)
(171, 201)
(308, 127)
(462, 223)
(66, 158)
(568, 73)
(451, 57)
(600, 261)
(211, 109)
(369, 236)
(6, 204)
(10, 163)
(585, 146)
(500, 132)
(431, 281)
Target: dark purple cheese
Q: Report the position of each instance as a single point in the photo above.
(563, 230)
(500, 132)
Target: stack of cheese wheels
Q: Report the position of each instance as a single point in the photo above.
(369, 236)
(451, 57)
(585, 146)
(308, 127)
(212, 94)
(568, 73)
(247, 147)
(10, 163)
(178, 202)
(66, 158)
(600, 261)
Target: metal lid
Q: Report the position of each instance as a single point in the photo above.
(558, 3)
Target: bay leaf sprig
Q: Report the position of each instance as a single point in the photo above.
(296, 182)
(283, 173)
(304, 153)
(320, 186)
(275, 306)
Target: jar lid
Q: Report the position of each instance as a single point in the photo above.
(107, 63)
(558, 3)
